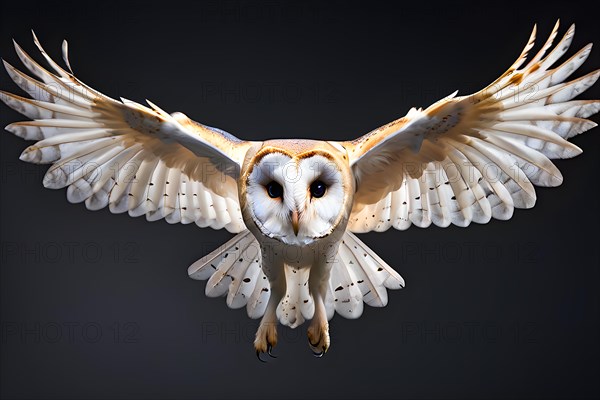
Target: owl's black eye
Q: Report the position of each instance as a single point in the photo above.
(274, 189)
(318, 189)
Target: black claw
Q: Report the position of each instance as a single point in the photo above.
(314, 346)
(269, 348)
(258, 353)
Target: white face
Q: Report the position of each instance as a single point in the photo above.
(295, 201)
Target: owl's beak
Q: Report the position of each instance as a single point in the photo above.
(295, 222)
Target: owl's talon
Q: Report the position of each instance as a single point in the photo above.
(266, 339)
(318, 338)
(258, 353)
(269, 348)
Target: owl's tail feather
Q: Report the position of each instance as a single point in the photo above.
(234, 270)
(359, 275)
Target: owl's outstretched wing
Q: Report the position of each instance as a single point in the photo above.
(124, 155)
(474, 157)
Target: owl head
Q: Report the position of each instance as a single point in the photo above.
(296, 191)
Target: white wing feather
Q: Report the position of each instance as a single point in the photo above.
(473, 158)
(123, 155)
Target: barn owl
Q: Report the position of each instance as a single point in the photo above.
(296, 205)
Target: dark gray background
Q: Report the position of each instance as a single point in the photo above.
(96, 305)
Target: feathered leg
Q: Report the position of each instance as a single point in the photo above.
(266, 335)
(318, 330)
